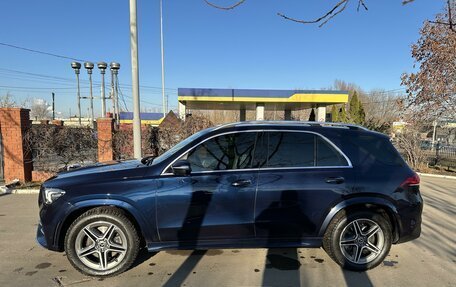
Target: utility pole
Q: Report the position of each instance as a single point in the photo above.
(433, 134)
(162, 58)
(135, 80)
(53, 106)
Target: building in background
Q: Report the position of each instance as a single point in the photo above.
(151, 119)
(228, 105)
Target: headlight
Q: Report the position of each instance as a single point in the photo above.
(52, 194)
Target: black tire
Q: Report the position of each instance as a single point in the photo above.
(123, 225)
(332, 239)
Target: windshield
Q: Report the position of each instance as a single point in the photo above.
(178, 146)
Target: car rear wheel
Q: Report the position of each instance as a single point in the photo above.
(102, 242)
(358, 240)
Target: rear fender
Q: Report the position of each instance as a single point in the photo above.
(368, 202)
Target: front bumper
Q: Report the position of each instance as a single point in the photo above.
(40, 238)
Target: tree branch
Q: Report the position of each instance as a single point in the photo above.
(224, 8)
(328, 14)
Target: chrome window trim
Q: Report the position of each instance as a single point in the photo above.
(265, 168)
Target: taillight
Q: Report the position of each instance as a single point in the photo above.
(413, 180)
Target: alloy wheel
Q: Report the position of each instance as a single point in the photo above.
(361, 241)
(101, 245)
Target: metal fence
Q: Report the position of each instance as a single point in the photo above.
(442, 156)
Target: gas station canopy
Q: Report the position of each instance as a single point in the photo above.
(251, 99)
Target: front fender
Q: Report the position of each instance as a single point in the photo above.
(84, 204)
(364, 200)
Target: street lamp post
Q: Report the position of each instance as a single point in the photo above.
(114, 82)
(89, 67)
(135, 80)
(102, 67)
(77, 67)
(162, 59)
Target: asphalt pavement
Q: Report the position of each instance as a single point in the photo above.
(427, 261)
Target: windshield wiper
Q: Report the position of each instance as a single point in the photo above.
(147, 160)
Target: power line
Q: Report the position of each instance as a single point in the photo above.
(42, 52)
(37, 88)
(57, 78)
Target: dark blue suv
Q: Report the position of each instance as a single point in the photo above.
(243, 185)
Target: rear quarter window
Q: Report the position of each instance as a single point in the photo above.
(379, 149)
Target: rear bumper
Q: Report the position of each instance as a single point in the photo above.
(410, 221)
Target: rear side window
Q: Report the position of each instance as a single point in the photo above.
(291, 150)
(328, 155)
(295, 149)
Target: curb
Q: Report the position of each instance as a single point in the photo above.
(4, 191)
(436, 175)
(25, 191)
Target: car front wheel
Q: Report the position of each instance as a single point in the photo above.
(358, 241)
(102, 242)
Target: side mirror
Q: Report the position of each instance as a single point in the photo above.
(181, 168)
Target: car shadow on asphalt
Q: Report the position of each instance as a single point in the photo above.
(282, 267)
(179, 276)
(357, 279)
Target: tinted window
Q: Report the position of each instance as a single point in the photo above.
(327, 155)
(379, 149)
(295, 149)
(231, 151)
(290, 149)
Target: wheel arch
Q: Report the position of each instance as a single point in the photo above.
(80, 207)
(379, 205)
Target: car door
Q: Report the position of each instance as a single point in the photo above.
(301, 175)
(216, 201)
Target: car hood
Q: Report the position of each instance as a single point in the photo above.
(100, 168)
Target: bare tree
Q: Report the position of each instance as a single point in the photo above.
(408, 142)
(40, 110)
(56, 147)
(382, 109)
(7, 101)
(431, 90)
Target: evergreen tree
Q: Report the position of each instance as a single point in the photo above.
(312, 116)
(361, 114)
(353, 111)
(343, 114)
(334, 114)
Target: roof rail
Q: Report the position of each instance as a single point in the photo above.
(331, 124)
(295, 123)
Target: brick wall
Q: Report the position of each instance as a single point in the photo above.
(41, 175)
(14, 123)
(105, 129)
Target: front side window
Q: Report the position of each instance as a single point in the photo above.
(225, 152)
(295, 149)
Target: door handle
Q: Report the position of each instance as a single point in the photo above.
(335, 180)
(241, 183)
